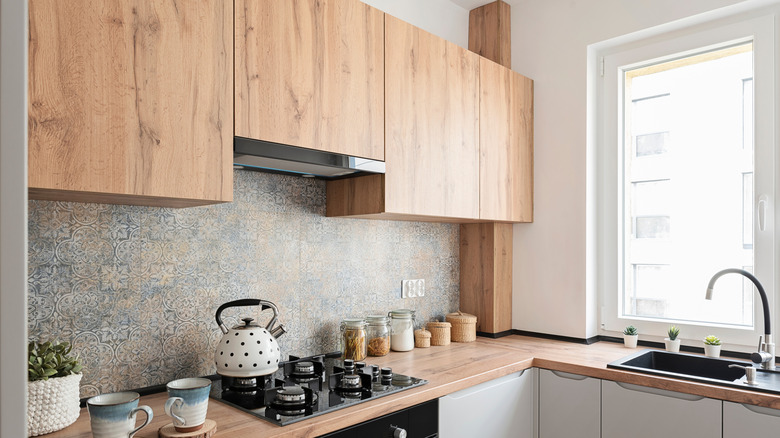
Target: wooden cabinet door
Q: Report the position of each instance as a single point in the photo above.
(310, 73)
(643, 412)
(130, 101)
(500, 408)
(431, 124)
(569, 405)
(506, 144)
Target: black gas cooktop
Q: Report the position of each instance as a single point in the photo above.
(305, 387)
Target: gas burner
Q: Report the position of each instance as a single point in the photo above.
(305, 372)
(293, 400)
(350, 381)
(305, 368)
(292, 395)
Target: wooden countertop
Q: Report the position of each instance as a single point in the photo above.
(447, 369)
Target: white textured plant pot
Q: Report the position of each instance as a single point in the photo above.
(712, 350)
(630, 340)
(673, 346)
(52, 404)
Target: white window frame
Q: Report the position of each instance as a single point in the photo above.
(609, 159)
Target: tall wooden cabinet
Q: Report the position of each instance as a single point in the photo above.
(506, 144)
(310, 73)
(131, 101)
(431, 134)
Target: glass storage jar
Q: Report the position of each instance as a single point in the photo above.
(402, 330)
(353, 338)
(378, 333)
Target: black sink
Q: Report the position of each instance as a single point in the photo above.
(697, 368)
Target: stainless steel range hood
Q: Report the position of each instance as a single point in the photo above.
(279, 158)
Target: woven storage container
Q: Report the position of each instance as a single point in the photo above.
(52, 404)
(422, 338)
(464, 326)
(440, 332)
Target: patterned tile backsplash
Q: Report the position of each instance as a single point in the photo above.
(136, 288)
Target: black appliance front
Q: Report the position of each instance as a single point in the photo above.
(420, 421)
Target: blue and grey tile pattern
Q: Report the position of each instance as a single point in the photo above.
(135, 288)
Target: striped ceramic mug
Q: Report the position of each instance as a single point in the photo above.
(113, 415)
(188, 400)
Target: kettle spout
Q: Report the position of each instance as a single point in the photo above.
(278, 331)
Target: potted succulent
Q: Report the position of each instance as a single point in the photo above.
(712, 346)
(672, 343)
(53, 387)
(630, 336)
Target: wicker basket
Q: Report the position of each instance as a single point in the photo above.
(440, 332)
(422, 338)
(464, 326)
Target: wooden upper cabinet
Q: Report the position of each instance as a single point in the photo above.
(431, 134)
(310, 73)
(506, 144)
(431, 123)
(130, 101)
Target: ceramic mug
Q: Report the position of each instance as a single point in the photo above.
(113, 415)
(188, 400)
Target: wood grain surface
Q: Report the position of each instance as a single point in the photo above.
(486, 275)
(506, 137)
(448, 369)
(310, 73)
(432, 126)
(131, 98)
(490, 32)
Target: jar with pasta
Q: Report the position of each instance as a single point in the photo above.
(353, 338)
(378, 333)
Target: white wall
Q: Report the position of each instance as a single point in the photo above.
(554, 289)
(13, 218)
(439, 17)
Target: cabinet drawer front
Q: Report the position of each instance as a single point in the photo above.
(643, 412)
(499, 408)
(738, 419)
(577, 399)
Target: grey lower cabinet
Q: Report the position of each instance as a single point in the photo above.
(569, 405)
(501, 408)
(644, 412)
(741, 420)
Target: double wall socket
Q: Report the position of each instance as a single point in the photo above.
(412, 288)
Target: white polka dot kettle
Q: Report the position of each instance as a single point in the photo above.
(248, 350)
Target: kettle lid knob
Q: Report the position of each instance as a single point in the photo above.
(247, 321)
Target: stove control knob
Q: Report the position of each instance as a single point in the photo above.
(397, 432)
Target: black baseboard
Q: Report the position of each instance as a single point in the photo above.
(496, 335)
(585, 341)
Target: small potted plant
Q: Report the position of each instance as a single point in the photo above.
(712, 346)
(672, 343)
(53, 387)
(630, 336)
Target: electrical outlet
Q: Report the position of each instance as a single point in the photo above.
(412, 288)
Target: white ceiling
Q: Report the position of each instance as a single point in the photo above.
(471, 4)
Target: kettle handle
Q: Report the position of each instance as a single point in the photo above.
(242, 303)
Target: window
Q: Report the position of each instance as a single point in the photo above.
(687, 145)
